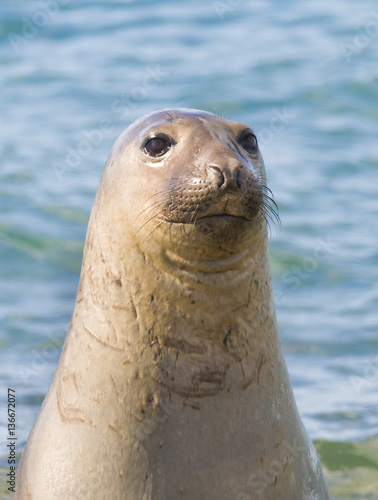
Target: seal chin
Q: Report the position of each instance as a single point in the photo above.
(212, 238)
(216, 266)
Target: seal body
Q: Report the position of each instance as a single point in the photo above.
(171, 383)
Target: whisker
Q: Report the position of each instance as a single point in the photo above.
(192, 224)
(269, 206)
(148, 208)
(150, 219)
(154, 229)
(193, 214)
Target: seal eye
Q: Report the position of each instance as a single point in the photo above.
(157, 146)
(249, 142)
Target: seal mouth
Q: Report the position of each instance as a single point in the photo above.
(221, 217)
(240, 214)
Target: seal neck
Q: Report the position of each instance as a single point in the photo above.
(214, 286)
(131, 291)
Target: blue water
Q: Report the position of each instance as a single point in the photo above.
(303, 75)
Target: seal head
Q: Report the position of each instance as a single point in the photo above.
(189, 173)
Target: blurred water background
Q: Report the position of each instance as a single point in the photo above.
(303, 75)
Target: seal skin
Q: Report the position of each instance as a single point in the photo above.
(171, 383)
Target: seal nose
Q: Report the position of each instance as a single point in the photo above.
(227, 175)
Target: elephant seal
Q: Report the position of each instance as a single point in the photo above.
(171, 383)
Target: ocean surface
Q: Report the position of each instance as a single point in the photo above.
(304, 76)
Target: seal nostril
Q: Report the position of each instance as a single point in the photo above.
(239, 177)
(218, 175)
